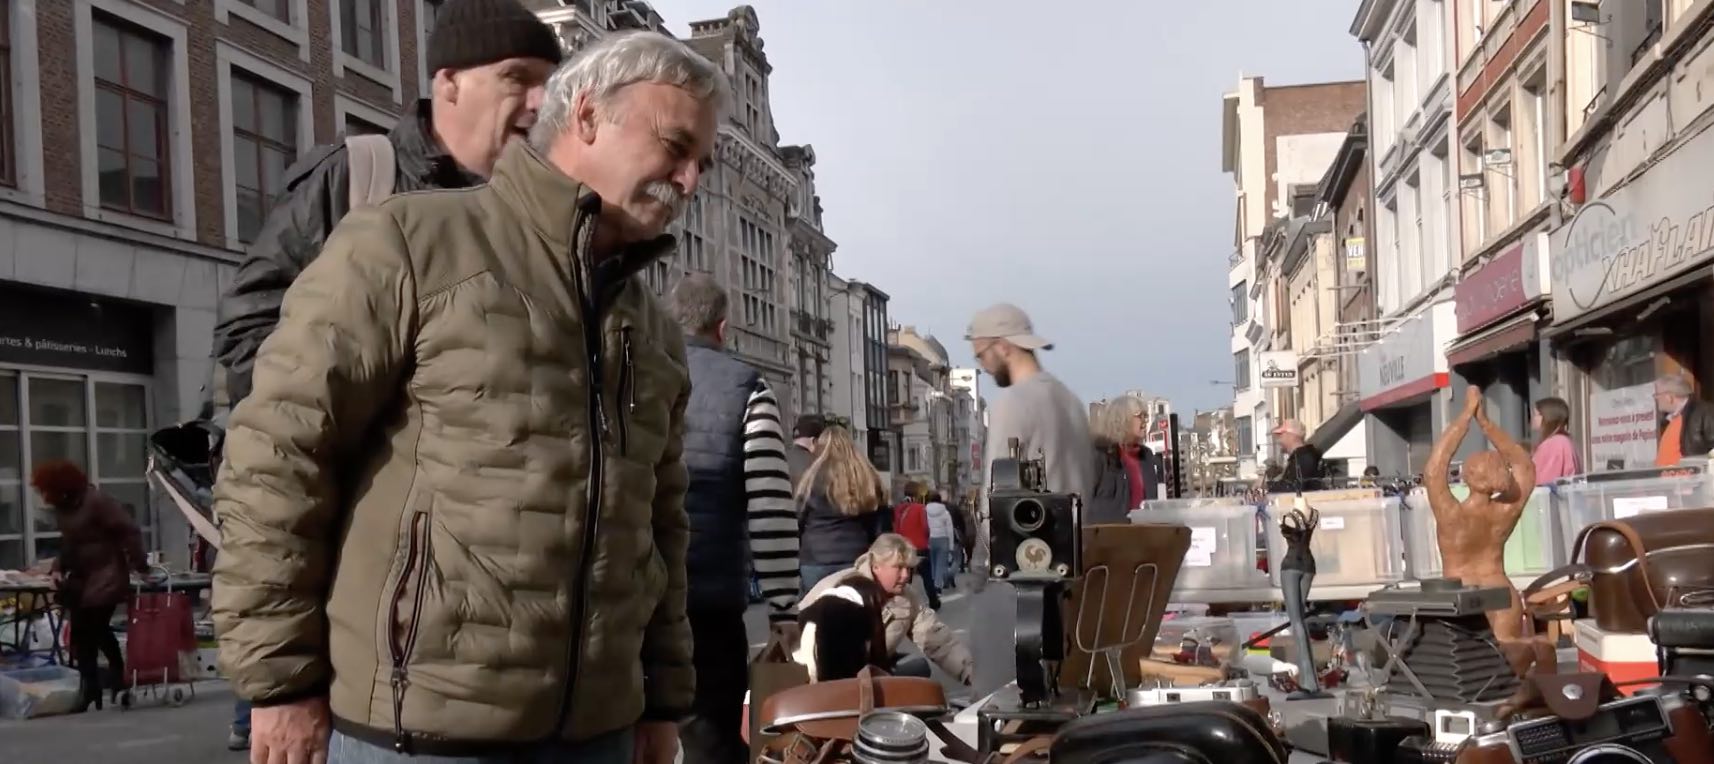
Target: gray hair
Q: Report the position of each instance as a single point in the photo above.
(892, 548)
(1674, 384)
(617, 61)
(1111, 423)
(698, 303)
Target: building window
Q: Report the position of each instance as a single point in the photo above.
(752, 105)
(1240, 303)
(1241, 369)
(45, 417)
(279, 9)
(1503, 179)
(131, 95)
(355, 125)
(1246, 435)
(431, 14)
(361, 31)
(8, 129)
(1535, 153)
(264, 144)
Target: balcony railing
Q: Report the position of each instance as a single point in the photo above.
(810, 326)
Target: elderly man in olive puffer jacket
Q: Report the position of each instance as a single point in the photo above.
(453, 502)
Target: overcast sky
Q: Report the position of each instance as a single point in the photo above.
(1064, 156)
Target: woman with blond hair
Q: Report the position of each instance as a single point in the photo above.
(1126, 471)
(838, 501)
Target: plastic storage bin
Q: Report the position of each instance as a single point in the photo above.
(33, 692)
(1223, 548)
(1533, 549)
(1586, 499)
(1359, 542)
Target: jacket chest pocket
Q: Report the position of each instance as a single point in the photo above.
(649, 383)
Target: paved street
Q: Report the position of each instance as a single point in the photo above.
(152, 732)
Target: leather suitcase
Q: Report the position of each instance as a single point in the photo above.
(1644, 564)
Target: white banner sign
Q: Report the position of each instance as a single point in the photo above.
(1278, 369)
(1622, 427)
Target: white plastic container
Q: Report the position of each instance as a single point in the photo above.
(1223, 548)
(1535, 547)
(1586, 499)
(1359, 542)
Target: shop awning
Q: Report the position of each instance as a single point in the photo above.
(1629, 303)
(1330, 431)
(1510, 334)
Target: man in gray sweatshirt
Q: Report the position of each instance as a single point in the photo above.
(1051, 423)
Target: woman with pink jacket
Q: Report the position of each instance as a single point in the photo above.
(1555, 454)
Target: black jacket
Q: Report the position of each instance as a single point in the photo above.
(1697, 437)
(1109, 499)
(831, 537)
(317, 195)
(1303, 471)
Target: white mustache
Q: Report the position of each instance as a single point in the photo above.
(668, 194)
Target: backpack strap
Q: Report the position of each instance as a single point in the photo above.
(371, 163)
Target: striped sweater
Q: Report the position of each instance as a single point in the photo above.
(772, 520)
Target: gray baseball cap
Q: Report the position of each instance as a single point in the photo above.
(1005, 321)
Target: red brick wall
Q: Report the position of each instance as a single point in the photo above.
(1302, 109)
(61, 142)
(1531, 27)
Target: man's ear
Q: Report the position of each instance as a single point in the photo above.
(585, 118)
(720, 332)
(445, 86)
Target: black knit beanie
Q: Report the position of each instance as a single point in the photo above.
(470, 33)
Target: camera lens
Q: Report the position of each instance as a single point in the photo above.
(1028, 516)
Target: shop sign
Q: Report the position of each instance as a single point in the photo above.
(1647, 232)
(40, 327)
(1405, 360)
(1277, 368)
(1623, 427)
(1499, 287)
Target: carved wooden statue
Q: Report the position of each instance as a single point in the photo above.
(1472, 534)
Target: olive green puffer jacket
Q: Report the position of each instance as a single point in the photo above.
(454, 499)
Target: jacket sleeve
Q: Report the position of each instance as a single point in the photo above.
(669, 678)
(772, 522)
(125, 530)
(940, 643)
(297, 227)
(346, 331)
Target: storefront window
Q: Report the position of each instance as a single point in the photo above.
(48, 416)
(1625, 363)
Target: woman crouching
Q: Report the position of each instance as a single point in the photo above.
(888, 566)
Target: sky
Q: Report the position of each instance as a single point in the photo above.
(1063, 156)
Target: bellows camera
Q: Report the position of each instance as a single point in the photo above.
(1031, 532)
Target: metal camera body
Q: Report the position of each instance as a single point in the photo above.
(1031, 533)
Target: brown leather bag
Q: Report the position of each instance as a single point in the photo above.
(1633, 567)
(1642, 564)
(817, 722)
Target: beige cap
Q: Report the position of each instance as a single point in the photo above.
(1005, 321)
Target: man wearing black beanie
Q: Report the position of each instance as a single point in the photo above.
(489, 60)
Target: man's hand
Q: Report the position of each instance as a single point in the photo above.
(1473, 402)
(787, 633)
(657, 743)
(292, 733)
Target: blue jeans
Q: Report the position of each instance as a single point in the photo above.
(940, 561)
(611, 748)
(812, 574)
(241, 717)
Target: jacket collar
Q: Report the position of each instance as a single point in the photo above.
(421, 155)
(558, 208)
(692, 340)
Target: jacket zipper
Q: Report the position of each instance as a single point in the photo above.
(592, 492)
(627, 391)
(417, 552)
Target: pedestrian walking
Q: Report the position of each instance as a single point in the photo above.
(941, 536)
(453, 500)
(741, 519)
(840, 499)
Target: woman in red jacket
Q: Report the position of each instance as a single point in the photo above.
(99, 547)
(910, 519)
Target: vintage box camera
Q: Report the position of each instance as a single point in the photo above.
(1644, 729)
(1031, 532)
